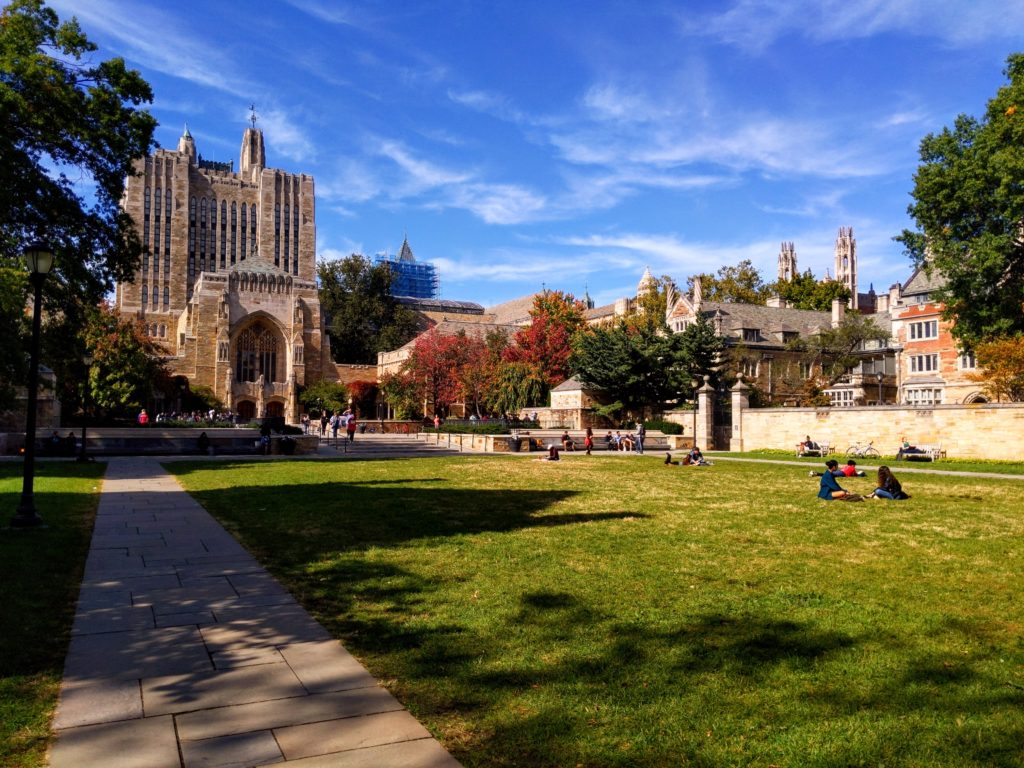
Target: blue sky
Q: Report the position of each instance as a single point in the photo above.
(571, 144)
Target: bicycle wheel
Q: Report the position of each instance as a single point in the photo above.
(853, 450)
(872, 452)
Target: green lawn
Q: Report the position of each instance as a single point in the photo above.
(612, 611)
(40, 573)
(953, 465)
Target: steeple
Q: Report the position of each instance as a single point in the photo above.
(846, 262)
(646, 284)
(187, 145)
(787, 262)
(405, 252)
(253, 156)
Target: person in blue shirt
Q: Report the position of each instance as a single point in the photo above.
(829, 489)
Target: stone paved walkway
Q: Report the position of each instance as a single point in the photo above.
(185, 652)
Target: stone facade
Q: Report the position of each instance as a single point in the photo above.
(227, 281)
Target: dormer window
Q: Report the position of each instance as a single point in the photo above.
(751, 334)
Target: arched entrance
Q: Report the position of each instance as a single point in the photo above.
(275, 408)
(246, 410)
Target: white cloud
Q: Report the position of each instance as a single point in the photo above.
(284, 135)
(420, 174)
(174, 50)
(331, 12)
(755, 24)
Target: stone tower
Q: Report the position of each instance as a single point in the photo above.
(227, 281)
(787, 262)
(846, 262)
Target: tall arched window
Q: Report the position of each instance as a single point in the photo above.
(241, 252)
(256, 354)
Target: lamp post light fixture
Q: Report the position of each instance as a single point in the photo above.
(879, 376)
(88, 359)
(39, 259)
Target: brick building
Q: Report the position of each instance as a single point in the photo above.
(226, 284)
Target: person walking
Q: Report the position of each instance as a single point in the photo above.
(588, 440)
(350, 427)
(641, 433)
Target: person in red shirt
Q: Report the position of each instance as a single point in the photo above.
(850, 470)
(143, 417)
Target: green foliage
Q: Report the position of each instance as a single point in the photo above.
(741, 284)
(363, 318)
(700, 353)
(833, 351)
(477, 428)
(401, 393)
(201, 398)
(41, 571)
(61, 109)
(806, 292)
(127, 367)
(665, 427)
(1001, 368)
(323, 395)
(968, 207)
(545, 344)
(515, 386)
(13, 366)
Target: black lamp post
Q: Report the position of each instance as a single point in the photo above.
(39, 259)
(88, 360)
(879, 376)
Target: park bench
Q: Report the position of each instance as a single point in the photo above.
(819, 449)
(921, 452)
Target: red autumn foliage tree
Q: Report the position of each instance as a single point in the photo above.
(545, 345)
(436, 365)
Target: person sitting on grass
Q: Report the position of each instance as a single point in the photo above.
(829, 488)
(888, 486)
(696, 459)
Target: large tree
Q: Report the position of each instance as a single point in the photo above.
(834, 351)
(127, 367)
(741, 284)
(66, 119)
(969, 210)
(1001, 368)
(805, 291)
(363, 318)
(545, 344)
(436, 364)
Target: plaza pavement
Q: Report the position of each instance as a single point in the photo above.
(185, 652)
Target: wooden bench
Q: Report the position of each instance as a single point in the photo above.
(921, 452)
(821, 449)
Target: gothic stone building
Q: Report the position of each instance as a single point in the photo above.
(226, 284)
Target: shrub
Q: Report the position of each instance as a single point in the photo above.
(665, 427)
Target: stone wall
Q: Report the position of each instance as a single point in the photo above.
(975, 431)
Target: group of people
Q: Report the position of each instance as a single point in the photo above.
(210, 416)
(627, 442)
(345, 421)
(887, 486)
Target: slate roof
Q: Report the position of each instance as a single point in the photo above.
(476, 330)
(514, 312)
(768, 320)
(922, 283)
(442, 305)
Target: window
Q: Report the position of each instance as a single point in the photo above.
(224, 233)
(234, 228)
(966, 362)
(223, 351)
(145, 217)
(156, 228)
(749, 369)
(923, 396)
(145, 295)
(295, 237)
(167, 296)
(841, 398)
(277, 235)
(298, 354)
(805, 370)
(257, 354)
(926, 329)
(167, 228)
(924, 363)
(163, 331)
(751, 334)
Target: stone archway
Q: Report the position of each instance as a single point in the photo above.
(246, 410)
(259, 352)
(275, 408)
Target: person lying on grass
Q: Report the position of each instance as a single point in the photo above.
(829, 489)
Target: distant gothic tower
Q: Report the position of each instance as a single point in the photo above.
(787, 262)
(846, 262)
(226, 284)
(646, 284)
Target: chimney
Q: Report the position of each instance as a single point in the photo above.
(776, 301)
(838, 310)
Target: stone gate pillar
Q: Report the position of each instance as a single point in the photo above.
(740, 403)
(705, 436)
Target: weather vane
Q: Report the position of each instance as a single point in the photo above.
(252, 115)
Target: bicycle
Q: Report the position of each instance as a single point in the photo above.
(858, 449)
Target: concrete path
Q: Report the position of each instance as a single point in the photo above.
(185, 652)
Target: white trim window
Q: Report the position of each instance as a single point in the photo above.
(924, 363)
(925, 329)
(966, 361)
(841, 398)
(923, 396)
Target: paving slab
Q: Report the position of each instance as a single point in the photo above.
(185, 652)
